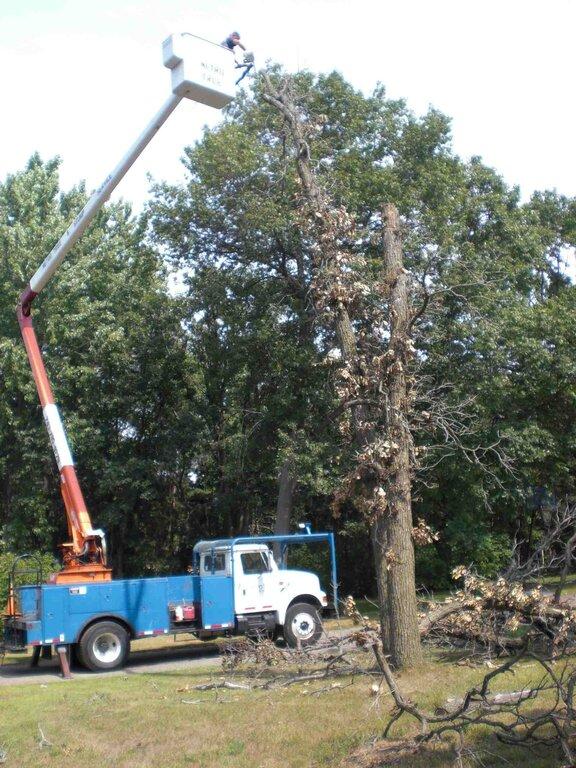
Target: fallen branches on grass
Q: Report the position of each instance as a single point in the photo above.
(496, 616)
(265, 666)
(500, 615)
(223, 684)
(513, 716)
(43, 741)
(291, 667)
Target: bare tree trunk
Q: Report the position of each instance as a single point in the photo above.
(391, 524)
(568, 550)
(379, 540)
(401, 583)
(286, 487)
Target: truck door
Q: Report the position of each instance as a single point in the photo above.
(254, 582)
(217, 596)
(216, 590)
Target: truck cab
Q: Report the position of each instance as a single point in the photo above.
(241, 581)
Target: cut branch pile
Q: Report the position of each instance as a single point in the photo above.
(500, 616)
(267, 666)
(491, 616)
(512, 716)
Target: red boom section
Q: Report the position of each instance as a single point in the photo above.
(84, 557)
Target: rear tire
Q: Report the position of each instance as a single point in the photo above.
(104, 646)
(302, 625)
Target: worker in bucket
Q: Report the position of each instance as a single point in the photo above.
(243, 60)
(232, 41)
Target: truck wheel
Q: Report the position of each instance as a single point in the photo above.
(104, 645)
(302, 625)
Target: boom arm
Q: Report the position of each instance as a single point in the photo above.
(195, 64)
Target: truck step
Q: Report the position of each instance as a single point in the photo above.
(257, 624)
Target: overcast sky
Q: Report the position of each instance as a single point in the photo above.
(82, 78)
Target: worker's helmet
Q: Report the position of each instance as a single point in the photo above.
(235, 34)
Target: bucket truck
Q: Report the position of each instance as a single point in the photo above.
(234, 585)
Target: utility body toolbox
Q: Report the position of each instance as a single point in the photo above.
(58, 613)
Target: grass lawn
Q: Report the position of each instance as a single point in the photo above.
(137, 720)
(157, 719)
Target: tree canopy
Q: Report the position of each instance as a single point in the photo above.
(183, 406)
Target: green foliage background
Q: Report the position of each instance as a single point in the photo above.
(181, 408)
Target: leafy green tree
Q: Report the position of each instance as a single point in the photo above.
(183, 410)
(124, 380)
(484, 267)
(261, 397)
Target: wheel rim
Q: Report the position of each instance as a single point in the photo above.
(303, 626)
(107, 648)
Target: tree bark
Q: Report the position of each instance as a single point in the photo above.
(404, 640)
(286, 487)
(379, 541)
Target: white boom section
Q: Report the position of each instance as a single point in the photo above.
(99, 197)
(57, 436)
(201, 71)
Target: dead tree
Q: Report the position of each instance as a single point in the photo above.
(373, 385)
(397, 521)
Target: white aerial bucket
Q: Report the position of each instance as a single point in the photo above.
(201, 70)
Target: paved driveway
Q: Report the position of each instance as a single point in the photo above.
(182, 656)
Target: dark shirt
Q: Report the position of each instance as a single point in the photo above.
(229, 43)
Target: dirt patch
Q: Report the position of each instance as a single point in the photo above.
(379, 754)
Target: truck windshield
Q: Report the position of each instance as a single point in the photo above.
(255, 562)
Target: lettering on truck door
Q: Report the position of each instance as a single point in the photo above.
(254, 582)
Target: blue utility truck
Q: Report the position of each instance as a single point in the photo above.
(235, 587)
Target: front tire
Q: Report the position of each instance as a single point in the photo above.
(302, 625)
(104, 646)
